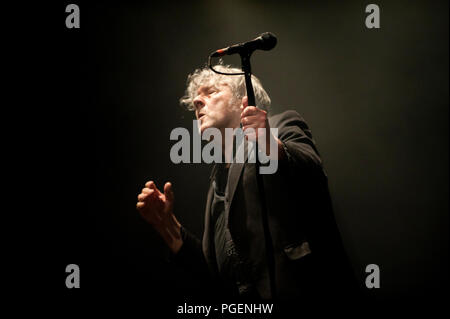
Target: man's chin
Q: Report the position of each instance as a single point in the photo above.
(203, 127)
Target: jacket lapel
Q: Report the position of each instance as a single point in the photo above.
(234, 175)
(206, 242)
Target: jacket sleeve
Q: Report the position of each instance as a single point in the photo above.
(297, 141)
(191, 260)
(190, 256)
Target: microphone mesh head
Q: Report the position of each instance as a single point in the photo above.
(269, 41)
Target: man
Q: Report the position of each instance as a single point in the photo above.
(297, 253)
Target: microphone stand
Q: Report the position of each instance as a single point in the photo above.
(246, 68)
(270, 256)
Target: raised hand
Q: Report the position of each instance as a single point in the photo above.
(256, 118)
(157, 209)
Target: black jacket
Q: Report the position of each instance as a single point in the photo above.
(310, 261)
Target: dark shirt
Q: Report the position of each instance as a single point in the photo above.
(231, 267)
(219, 222)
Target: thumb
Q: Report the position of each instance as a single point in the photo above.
(244, 103)
(168, 192)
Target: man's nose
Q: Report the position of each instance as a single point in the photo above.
(199, 102)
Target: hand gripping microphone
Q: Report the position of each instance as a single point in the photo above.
(265, 41)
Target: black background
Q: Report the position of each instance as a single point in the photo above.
(100, 102)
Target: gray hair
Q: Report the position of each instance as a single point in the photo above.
(205, 76)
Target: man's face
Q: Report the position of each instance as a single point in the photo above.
(213, 107)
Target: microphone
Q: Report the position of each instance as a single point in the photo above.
(266, 41)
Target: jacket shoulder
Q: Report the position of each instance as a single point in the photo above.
(289, 115)
(289, 118)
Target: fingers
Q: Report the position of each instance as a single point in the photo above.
(145, 194)
(251, 116)
(244, 102)
(168, 192)
(151, 208)
(150, 193)
(249, 120)
(149, 205)
(140, 205)
(251, 110)
(152, 185)
(157, 209)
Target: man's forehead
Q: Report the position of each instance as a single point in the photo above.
(208, 85)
